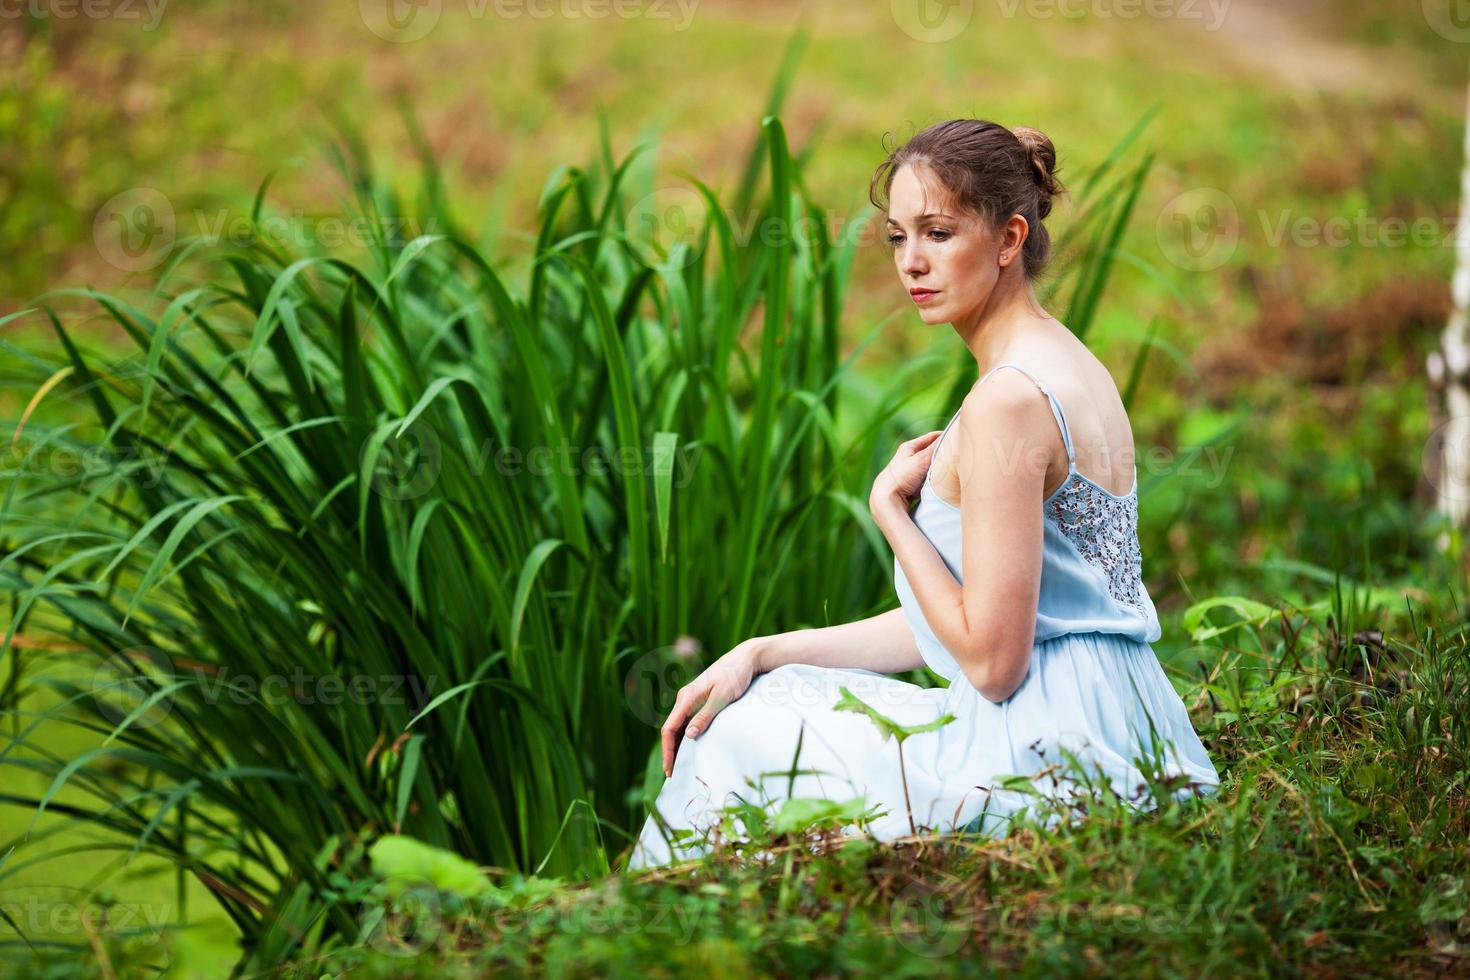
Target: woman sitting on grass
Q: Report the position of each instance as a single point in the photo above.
(1019, 573)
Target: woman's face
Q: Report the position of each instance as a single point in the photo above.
(937, 248)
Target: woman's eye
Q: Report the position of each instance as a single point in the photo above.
(937, 234)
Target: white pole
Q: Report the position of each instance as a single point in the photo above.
(1450, 366)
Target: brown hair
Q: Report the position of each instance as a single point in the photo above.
(991, 171)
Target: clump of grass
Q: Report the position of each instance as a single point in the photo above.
(301, 478)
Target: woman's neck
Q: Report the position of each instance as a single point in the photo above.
(1012, 312)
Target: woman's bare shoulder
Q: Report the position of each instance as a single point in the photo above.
(1063, 365)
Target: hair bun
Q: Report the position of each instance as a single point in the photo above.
(1043, 157)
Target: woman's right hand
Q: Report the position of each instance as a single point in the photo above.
(721, 683)
(905, 473)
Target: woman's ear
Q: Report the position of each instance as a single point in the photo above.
(1013, 238)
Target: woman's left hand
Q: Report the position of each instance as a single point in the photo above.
(903, 477)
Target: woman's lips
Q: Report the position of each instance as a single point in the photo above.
(922, 295)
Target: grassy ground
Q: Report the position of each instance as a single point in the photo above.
(1337, 845)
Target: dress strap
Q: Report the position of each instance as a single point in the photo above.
(1056, 409)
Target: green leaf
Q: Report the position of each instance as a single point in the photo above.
(399, 860)
(407, 772)
(1250, 612)
(664, 447)
(886, 725)
(800, 813)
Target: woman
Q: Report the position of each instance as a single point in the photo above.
(1018, 575)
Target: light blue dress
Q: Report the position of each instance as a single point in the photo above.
(1095, 700)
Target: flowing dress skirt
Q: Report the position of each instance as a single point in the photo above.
(1101, 699)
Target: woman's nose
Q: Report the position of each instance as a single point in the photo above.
(913, 261)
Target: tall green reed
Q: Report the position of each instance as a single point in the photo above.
(312, 471)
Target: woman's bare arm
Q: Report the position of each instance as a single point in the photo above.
(884, 643)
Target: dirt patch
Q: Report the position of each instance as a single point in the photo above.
(1330, 349)
(1296, 42)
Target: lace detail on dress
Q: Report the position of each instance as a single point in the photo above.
(1104, 530)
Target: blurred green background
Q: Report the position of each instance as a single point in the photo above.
(1318, 125)
(1309, 118)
